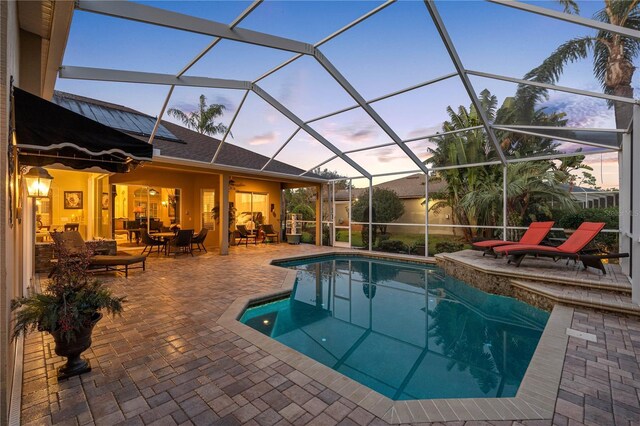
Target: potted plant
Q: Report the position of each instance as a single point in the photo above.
(68, 308)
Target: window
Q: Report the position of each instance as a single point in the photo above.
(153, 210)
(43, 212)
(208, 212)
(252, 209)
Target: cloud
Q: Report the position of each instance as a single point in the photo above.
(264, 139)
(581, 111)
(223, 100)
(193, 106)
(185, 106)
(351, 134)
(362, 135)
(569, 147)
(424, 131)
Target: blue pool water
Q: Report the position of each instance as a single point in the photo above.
(405, 330)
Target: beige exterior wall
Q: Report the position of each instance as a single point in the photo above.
(9, 267)
(64, 180)
(414, 214)
(190, 185)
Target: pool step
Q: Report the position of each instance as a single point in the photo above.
(585, 297)
(469, 265)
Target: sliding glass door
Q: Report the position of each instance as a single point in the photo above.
(252, 209)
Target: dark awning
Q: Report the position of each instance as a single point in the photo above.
(47, 133)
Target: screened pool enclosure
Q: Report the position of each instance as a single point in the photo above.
(444, 95)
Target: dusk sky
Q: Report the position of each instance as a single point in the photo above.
(396, 48)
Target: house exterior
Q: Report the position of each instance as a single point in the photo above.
(411, 191)
(33, 37)
(184, 187)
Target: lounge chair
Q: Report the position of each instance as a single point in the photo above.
(181, 242)
(270, 233)
(572, 248)
(198, 239)
(536, 232)
(244, 234)
(74, 244)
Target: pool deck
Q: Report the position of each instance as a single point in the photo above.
(170, 359)
(543, 282)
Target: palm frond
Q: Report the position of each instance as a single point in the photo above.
(550, 71)
(202, 120)
(570, 6)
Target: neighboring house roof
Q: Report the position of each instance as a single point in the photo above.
(408, 187)
(412, 186)
(171, 139)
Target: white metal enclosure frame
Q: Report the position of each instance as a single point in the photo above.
(629, 236)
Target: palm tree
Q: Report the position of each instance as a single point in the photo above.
(613, 57)
(202, 120)
(533, 187)
(475, 194)
(461, 148)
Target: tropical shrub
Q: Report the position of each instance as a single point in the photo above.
(610, 216)
(417, 248)
(326, 236)
(307, 237)
(387, 208)
(393, 246)
(342, 236)
(448, 247)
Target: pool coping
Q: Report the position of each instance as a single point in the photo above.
(535, 399)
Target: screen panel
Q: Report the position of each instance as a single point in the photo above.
(407, 50)
(260, 128)
(97, 41)
(306, 89)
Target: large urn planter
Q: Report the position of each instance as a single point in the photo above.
(73, 349)
(70, 305)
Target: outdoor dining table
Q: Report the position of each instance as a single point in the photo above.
(166, 236)
(163, 234)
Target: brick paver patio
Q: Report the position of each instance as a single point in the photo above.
(166, 360)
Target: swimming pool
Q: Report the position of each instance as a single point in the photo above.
(403, 329)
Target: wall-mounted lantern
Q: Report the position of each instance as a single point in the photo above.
(38, 182)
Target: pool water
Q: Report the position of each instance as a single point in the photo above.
(406, 330)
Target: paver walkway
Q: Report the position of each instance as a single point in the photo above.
(166, 361)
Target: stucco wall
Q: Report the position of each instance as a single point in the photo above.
(190, 184)
(9, 276)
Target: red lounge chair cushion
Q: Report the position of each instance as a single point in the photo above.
(576, 242)
(526, 247)
(534, 235)
(493, 243)
(581, 237)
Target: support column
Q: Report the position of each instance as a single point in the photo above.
(349, 210)
(504, 202)
(426, 216)
(624, 173)
(224, 214)
(319, 215)
(370, 230)
(635, 207)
